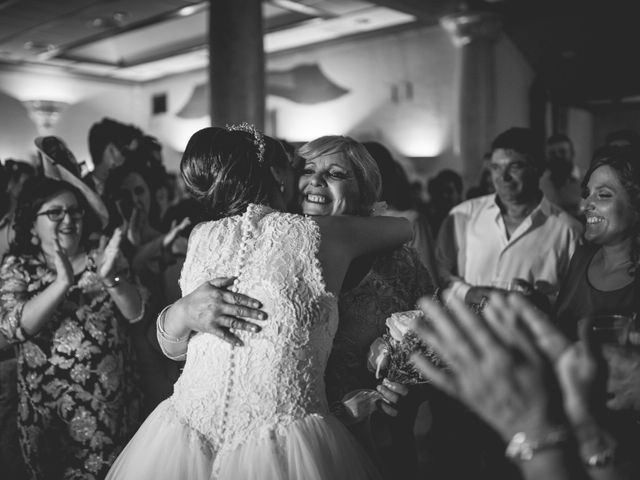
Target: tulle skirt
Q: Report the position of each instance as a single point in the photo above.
(313, 448)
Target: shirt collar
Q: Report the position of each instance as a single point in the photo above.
(543, 208)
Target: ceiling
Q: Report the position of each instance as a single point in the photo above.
(581, 50)
(140, 40)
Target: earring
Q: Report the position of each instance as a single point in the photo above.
(35, 241)
(281, 187)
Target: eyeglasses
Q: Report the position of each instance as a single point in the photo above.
(57, 214)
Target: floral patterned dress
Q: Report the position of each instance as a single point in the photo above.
(78, 404)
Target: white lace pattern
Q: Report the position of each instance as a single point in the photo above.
(230, 394)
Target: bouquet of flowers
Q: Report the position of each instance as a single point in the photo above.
(389, 355)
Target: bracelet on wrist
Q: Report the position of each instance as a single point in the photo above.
(112, 283)
(597, 447)
(601, 459)
(523, 447)
(165, 336)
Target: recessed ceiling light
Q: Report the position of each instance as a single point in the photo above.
(96, 22)
(188, 10)
(115, 20)
(39, 46)
(120, 17)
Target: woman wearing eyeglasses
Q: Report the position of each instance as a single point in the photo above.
(67, 308)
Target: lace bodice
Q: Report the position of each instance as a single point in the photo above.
(231, 393)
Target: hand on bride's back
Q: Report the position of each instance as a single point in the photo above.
(212, 308)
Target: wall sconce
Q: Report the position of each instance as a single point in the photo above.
(44, 113)
(402, 91)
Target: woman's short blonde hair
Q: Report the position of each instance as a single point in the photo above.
(364, 166)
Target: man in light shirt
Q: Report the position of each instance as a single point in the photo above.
(513, 239)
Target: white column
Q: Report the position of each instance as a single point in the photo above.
(475, 34)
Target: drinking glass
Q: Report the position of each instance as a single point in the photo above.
(611, 329)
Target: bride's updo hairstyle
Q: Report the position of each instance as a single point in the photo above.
(225, 169)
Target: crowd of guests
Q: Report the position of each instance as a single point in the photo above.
(510, 282)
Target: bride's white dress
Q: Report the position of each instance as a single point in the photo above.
(257, 411)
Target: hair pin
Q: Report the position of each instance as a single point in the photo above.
(258, 137)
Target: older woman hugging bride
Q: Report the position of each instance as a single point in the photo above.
(339, 177)
(259, 411)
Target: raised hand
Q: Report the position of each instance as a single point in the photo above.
(132, 225)
(175, 229)
(579, 366)
(623, 382)
(62, 264)
(109, 252)
(493, 367)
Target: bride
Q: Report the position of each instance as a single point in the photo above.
(257, 412)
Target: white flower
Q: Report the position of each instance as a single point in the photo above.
(399, 323)
(378, 357)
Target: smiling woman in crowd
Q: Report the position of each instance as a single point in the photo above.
(67, 308)
(603, 276)
(339, 177)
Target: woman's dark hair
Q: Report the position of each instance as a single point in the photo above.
(35, 193)
(396, 188)
(625, 161)
(14, 169)
(109, 131)
(222, 171)
(444, 177)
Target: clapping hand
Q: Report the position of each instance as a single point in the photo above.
(579, 366)
(64, 269)
(133, 224)
(623, 382)
(492, 365)
(174, 231)
(109, 253)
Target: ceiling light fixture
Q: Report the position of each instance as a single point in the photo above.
(39, 46)
(45, 113)
(115, 20)
(189, 10)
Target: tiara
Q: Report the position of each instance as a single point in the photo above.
(258, 137)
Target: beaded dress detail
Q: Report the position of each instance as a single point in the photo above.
(256, 411)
